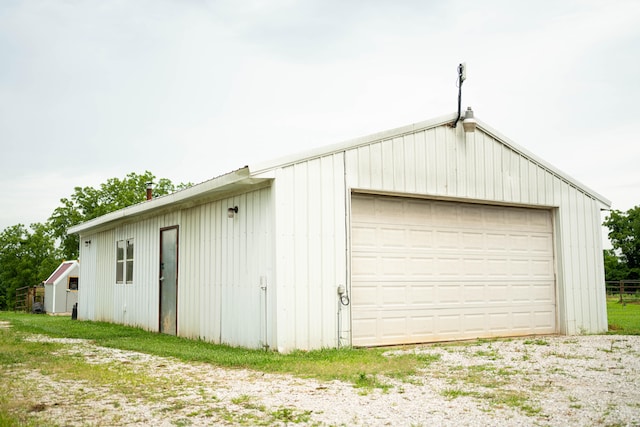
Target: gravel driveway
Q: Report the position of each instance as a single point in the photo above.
(556, 381)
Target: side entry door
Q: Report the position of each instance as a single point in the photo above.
(169, 280)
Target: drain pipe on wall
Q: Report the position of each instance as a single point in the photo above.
(263, 287)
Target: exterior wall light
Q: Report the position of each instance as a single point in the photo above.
(87, 243)
(469, 123)
(231, 212)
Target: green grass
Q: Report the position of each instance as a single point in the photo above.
(624, 318)
(364, 368)
(346, 364)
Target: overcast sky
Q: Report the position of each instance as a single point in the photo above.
(189, 90)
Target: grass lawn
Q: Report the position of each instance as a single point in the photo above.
(358, 366)
(624, 318)
(365, 368)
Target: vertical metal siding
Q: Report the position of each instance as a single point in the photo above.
(87, 275)
(105, 276)
(100, 298)
(223, 262)
(445, 162)
(310, 246)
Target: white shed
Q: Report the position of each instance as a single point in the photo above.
(61, 288)
(417, 234)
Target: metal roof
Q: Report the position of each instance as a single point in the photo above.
(60, 272)
(246, 176)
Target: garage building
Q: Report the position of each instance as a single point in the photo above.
(418, 234)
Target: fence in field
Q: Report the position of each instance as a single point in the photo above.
(625, 290)
(29, 298)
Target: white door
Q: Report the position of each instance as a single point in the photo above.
(425, 270)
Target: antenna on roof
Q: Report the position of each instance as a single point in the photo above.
(462, 76)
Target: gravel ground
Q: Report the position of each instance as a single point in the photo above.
(556, 381)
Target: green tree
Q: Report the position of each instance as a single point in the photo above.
(614, 269)
(27, 258)
(624, 234)
(87, 203)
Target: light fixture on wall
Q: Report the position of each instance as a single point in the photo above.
(231, 212)
(469, 123)
(87, 243)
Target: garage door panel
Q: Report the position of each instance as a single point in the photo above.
(542, 268)
(392, 266)
(540, 244)
(413, 293)
(399, 327)
(420, 239)
(363, 266)
(364, 236)
(392, 237)
(366, 295)
(444, 270)
(472, 240)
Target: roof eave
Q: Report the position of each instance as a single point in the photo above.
(606, 203)
(350, 144)
(213, 186)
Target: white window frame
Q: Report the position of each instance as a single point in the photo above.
(125, 250)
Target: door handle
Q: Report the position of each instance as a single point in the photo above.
(161, 278)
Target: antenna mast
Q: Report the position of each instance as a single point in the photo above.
(462, 76)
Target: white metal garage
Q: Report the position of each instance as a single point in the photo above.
(415, 234)
(426, 270)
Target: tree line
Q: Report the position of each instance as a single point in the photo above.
(28, 255)
(623, 261)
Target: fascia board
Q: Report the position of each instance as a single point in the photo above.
(164, 201)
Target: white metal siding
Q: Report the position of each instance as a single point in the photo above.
(430, 270)
(136, 304)
(309, 208)
(105, 276)
(87, 278)
(223, 263)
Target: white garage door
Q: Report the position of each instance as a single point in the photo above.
(427, 270)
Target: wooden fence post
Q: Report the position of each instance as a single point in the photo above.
(621, 289)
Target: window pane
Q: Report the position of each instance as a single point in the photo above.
(129, 271)
(120, 250)
(129, 249)
(119, 271)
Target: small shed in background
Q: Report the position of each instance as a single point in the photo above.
(61, 288)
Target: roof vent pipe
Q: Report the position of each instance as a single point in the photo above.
(149, 190)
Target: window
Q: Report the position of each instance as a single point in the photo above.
(124, 261)
(73, 284)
